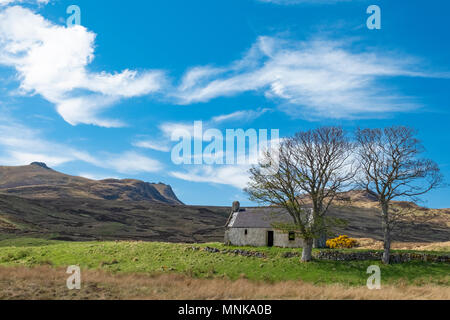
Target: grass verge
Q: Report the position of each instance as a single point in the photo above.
(19, 283)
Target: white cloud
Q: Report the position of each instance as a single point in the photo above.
(8, 2)
(132, 162)
(236, 176)
(233, 175)
(152, 145)
(164, 142)
(23, 158)
(194, 75)
(168, 129)
(94, 176)
(316, 78)
(53, 60)
(242, 115)
(21, 145)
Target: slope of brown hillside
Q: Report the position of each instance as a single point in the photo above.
(36, 201)
(37, 181)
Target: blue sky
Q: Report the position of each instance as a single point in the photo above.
(101, 99)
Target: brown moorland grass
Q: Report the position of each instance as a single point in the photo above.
(46, 283)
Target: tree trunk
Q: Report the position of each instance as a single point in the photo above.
(386, 233)
(307, 250)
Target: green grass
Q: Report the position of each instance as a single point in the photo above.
(26, 242)
(156, 258)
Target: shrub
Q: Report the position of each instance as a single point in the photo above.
(341, 242)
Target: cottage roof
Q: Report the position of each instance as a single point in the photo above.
(258, 218)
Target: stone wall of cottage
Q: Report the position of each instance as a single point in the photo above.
(258, 237)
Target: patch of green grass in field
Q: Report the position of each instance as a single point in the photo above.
(157, 258)
(26, 242)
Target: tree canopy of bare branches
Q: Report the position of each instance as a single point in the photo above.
(391, 167)
(313, 167)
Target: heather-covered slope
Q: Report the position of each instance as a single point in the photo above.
(36, 201)
(90, 219)
(37, 181)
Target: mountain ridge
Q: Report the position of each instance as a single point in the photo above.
(38, 181)
(37, 201)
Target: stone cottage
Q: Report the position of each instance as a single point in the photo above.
(253, 227)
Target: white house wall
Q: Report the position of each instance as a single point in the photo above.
(281, 239)
(257, 237)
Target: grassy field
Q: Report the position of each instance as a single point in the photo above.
(49, 283)
(156, 259)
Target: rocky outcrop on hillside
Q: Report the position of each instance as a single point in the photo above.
(133, 190)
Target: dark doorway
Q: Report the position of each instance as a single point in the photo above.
(270, 238)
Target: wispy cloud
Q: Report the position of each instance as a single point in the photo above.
(309, 79)
(9, 2)
(148, 143)
(236, 176)
(168, 129)
(233, 175)
(316, 78)
(94, 176)
(132, 162)
(20, 145)
(242, 115)
(52, 61)
(164, 141)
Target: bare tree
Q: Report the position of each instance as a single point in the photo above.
(313, 167)
(324, 160)
(391, 168)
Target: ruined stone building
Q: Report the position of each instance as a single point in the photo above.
(253, 227)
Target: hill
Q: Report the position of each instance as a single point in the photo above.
(36, 201)
(37, 181)
(40, 202)
(90, 219)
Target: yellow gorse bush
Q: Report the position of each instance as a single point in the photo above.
(341, 242)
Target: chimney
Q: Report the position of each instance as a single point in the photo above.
(236, 206)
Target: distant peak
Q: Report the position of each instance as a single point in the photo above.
(40, 164)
